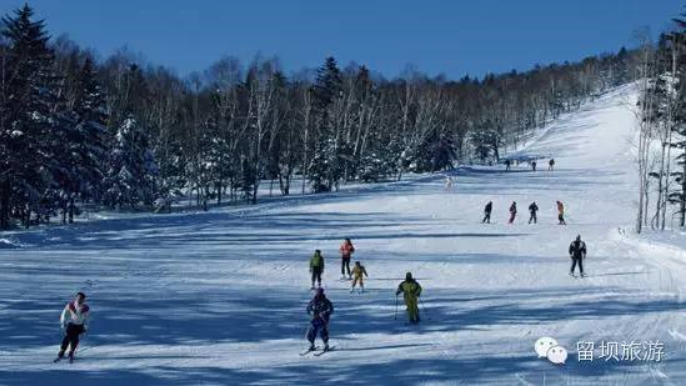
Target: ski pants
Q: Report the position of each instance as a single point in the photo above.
(533, 218)
(360, 280)
(412, 308)
(71, 338)
(512, 217)
(577, 260)
(318, 325)
(487, 218)
(561, 218)
(317, 275)
(345, 265)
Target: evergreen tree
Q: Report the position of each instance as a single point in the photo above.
(325, 165)
(91, 141)
(30, 129)
(132, 168)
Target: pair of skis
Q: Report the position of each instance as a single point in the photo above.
(58, 359)
(317, 353)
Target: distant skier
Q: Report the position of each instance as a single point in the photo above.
(577, 252)
(359, 273)
(507, 165)
(533, 209)
(533, 165)
(551, 164)
(513, 212)
(487, 212)
(346, 250)
(74, 322)
(561, 213)
(317, 267)
(320, 309)
(411, 291)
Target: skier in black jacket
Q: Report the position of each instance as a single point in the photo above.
(320, 308)
(533, 208)
(577, 251)
(487, 212)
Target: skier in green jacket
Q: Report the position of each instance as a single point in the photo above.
(317, 267)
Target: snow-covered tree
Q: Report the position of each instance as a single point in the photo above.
(31, 128)
(132, 168)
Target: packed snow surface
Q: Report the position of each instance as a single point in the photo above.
(219, 297)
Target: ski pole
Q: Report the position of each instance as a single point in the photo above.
(423, 307)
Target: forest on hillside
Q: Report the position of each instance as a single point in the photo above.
(121, 133)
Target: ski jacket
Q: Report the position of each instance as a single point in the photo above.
(359, 271)
(577, 249)
(346, 250)
(320, 308)
(76, 314)
(513, 208)
(560, 208)
(317, 261)
(533, 208)
(410, 289)
(488, 208)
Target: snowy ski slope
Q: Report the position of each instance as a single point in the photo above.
(219, 297)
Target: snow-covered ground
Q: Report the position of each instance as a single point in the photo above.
(219, 297)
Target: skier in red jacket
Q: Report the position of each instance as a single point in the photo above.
(347, 249)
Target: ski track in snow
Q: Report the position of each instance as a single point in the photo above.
(219, 297)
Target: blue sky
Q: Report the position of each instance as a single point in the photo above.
(452, 37)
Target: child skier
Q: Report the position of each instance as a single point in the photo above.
(317, 267)
(561, 213)
(359, 272)
(74, 322)
(533, 208)
(346, 250)
(513, 212)
(487, 212)
(320, 309)
(411, 291)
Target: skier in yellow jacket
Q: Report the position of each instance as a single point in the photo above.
(411, 291)
(358, 272)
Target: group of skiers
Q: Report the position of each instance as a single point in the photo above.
(533, 212)
(551, 165)
(75, 315)
(320, 307)
(356, 274)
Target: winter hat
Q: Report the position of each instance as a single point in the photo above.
(578, 237)
(408, 276)
(319, 293)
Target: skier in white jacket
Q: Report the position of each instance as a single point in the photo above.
(74, 322)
